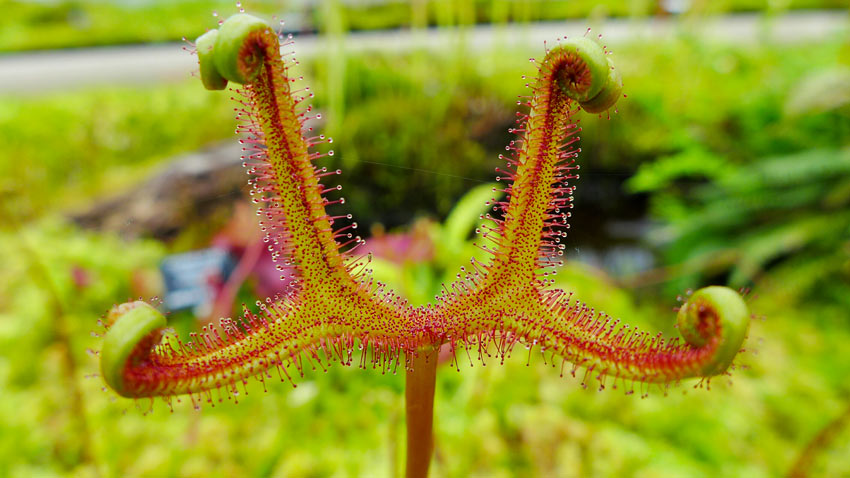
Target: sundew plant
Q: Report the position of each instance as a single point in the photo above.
(337, 313)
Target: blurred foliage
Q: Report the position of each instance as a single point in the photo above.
(420, 277)
(786, 214)
(707, 102)
(54, 282)
(66, 147)
(461, 123)
(94, 142)
(30, 24)
(764, 186)
(463, 115)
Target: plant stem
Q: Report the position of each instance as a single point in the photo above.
(419, 408)
(818, 445)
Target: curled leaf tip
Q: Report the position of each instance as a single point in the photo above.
(235, 51)
(715, 317)
(585, 74)
(133, 327)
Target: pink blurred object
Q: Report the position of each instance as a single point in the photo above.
(414, 245)
(80, 277)
(242, 238)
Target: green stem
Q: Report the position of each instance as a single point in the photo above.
(818, 445)
(419, 408)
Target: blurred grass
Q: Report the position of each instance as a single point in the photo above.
(703, 124)
(29, 25)
(62, 149)
(33, 25)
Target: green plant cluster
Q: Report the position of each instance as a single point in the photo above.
(761, 186)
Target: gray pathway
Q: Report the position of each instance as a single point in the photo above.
(34, 73)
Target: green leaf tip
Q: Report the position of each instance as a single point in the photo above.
(608, 95)
(588, 76)
(132, 326)
(718, 314)
(583, 77)
(205, 46)
(234, 52)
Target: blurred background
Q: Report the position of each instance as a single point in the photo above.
(728, 163)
